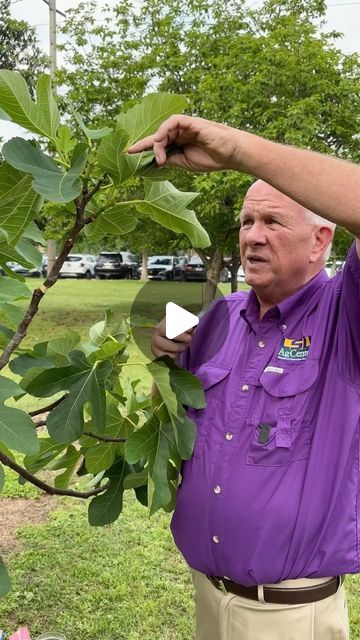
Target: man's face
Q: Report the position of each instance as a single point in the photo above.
(276, 243)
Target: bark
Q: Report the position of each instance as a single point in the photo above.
(213, 276)
(144, 267)
(234, 282)
(53, 491)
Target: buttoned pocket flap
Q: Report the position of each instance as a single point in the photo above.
(283, 436)
(290, 380)
(211, 374)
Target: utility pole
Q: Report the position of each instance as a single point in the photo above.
(51, 244)
(52, 32)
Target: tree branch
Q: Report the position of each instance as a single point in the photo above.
(203, 257)
(103, 438)
(90, 194)
(39, 293)
(40, 423)
(8, 462)
(48, 408)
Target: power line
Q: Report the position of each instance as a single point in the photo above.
(343, 4)
(57, 10)
(340, 4)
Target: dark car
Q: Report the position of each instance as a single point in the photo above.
(195, 270)
(116, 264)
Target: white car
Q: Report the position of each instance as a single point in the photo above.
(240, 274)
(78, 265)
(165, 268)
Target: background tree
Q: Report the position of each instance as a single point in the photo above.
(110, 55)
(266, 70)
(19, 49)
(341, 243)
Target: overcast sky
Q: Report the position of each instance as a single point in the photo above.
(342, 15)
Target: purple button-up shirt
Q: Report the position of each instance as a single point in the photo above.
(272, 489)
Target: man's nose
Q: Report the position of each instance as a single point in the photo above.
(257, 234)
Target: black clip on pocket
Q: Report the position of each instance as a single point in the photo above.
(264, 433)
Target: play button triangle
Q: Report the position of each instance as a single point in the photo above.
(178, 320)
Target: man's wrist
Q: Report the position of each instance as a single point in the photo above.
(251, 153)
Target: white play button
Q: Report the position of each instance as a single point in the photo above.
(178, 320)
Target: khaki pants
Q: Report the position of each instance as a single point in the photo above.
(231, 617)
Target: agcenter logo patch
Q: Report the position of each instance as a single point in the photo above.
(294, 349)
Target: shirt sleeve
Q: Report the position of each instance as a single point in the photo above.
(184, 359)
(348, 334)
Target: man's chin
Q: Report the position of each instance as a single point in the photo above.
(256, 280)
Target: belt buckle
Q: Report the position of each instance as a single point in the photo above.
(222, 587)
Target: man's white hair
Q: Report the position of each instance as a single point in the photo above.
(315, 219)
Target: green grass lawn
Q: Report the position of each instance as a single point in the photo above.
(126, 581)
(77, 304)
(123, 582)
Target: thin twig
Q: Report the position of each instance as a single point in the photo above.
(39, 293)
(40, 423)
(8, 462)
(103, 438)
(91, 193)
(48, 408)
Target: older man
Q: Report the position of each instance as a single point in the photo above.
(268, 511)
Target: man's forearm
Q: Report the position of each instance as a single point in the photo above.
(325, 185)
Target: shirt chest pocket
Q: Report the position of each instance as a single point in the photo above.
(213, 379)
(279, 432)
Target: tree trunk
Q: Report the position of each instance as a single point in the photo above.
(213, 276)
(51, 254)
(144, 267)
(234, 282)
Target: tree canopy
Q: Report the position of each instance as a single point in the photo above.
(267, 70)
(19, 49)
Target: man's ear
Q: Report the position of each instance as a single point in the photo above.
(322, 238)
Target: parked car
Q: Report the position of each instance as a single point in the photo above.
(225, 275)
(133, 262)
(34, 272)
(165, 268)
(44, 264)
(195, 270)
(240, 274)
(116, 264)
(78, 265)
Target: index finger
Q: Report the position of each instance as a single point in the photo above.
(142, 145)
(166, 134)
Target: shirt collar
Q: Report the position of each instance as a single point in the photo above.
(302, 296)
(249, 309)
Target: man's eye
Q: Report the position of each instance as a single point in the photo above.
(246, 223)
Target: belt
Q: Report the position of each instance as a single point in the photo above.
(278, 595)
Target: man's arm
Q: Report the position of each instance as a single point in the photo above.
(327, 186)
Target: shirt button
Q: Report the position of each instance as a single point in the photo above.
(217, 489)
(216, 539)
(245, 387)
(261, 344)
(229, 436)
(284, 327)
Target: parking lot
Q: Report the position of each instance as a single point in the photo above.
(126, 265)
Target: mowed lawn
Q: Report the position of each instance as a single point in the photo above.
(77, 304)
(125, 581)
